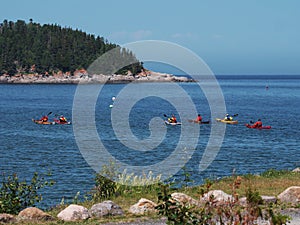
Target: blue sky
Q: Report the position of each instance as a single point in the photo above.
(232, 36)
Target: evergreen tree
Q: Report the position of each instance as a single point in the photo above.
(51, 48)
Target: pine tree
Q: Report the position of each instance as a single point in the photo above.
(51, 48)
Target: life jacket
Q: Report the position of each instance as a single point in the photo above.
(258, 124)
(63, 119)
(199, 118)
(44, 118)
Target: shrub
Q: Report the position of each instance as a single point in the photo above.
(110, 182)
(175, 212)
(104, 188)
(17, 195)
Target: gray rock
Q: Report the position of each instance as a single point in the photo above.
(105, 208)
(294, 214)
(290, 196)
(266, 200)
(269, 199)
(73, 213)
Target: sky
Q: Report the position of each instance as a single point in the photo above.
(233, 37)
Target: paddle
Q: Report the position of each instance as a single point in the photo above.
(165, 115)
(235, 115)
(47, 115)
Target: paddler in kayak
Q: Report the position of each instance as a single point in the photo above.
(257, 124)
(198, 119)
(62, 119)
(172, 119)
(228, 117)
(44, 118)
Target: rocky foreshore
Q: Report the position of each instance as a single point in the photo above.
(84, 77)
(215, 198)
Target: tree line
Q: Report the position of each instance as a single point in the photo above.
(32, 47)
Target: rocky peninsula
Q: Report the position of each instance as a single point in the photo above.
(82, 76)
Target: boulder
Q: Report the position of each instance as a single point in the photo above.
(104, 209)
(7, 218)
(293, 213)
(219, 196)
(181, 79)
(291, 195)
(266, 200)
(73, 213)
(142, 206)
(35, 214)
(296, 170)
(184, 199)
(269, 199)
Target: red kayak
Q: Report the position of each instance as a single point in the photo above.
(259, 128)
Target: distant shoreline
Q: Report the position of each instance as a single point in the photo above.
(84, 78)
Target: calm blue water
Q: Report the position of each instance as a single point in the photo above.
(27, 147)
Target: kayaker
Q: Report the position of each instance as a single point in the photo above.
(199, 118)
(44, 118)
(172, 119)
(62, 119)
(228, 117)
(257, 124)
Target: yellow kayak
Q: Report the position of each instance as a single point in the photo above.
(227, 121)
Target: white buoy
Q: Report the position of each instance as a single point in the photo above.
(110, 106)
(113, 98)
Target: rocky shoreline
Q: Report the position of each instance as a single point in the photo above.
(81, 76)
(77, 213)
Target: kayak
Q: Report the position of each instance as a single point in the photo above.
(42, 122)
(171, 123)
(227, 121)
(50, 123)
(259, 128)
(62, 123)
(200, 122)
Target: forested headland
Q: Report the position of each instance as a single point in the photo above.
(47, 49)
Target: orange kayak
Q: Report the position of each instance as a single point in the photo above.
(42, 122)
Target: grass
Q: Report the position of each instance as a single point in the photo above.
(269, 183)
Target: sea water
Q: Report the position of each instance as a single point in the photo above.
(27, 147)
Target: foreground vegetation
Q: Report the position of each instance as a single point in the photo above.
(271, 183)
